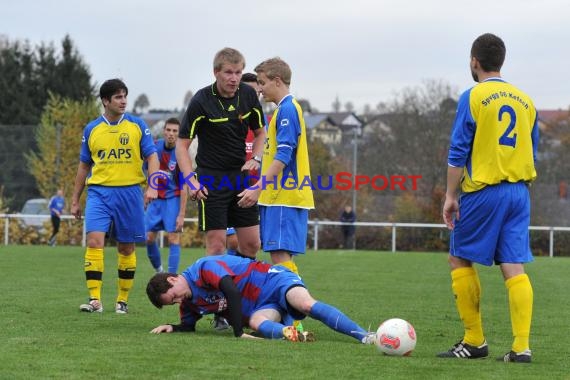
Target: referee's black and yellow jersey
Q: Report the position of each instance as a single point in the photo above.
(495, 135)
(221, 125)
(116, 151)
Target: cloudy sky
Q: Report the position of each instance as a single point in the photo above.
(363, 51)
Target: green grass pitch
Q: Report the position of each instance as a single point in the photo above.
(43, 335)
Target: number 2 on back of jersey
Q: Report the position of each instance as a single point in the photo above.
(505, 139)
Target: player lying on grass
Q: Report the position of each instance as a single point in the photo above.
(246, 292)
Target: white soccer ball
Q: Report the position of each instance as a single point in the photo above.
(396, 337)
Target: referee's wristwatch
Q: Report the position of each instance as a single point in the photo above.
(256, 158)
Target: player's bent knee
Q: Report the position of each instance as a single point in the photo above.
(255, 322)
(305, 307)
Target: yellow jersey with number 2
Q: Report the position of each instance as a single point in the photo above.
(495, 135)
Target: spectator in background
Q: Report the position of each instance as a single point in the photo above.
(348, 216)
(56, 205)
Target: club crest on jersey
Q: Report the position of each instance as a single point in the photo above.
(124, 138)
(213, 298)
(171, 166)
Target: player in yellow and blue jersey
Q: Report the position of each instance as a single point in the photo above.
(491, 163)
(113, 148)
(284, 197)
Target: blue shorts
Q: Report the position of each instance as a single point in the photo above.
(121, 205)
(493, 225)
(283, 228)
(230, 231)
(273, 293)
(161, 214)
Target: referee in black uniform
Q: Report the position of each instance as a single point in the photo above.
(220, 115)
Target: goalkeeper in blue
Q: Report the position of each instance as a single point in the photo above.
(491, 163)
(247, 293)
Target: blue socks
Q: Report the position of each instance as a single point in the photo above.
(271, 330)
(336, 320)
(327, 314)
(174, 258)
(153, 253)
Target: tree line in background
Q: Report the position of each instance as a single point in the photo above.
(29, 75)
(47, 97)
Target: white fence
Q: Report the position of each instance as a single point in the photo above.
(316, 225)
(394, 227)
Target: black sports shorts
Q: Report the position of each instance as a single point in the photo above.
(220, 210)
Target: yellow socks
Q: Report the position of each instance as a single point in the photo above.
(94, 271)
(520, 305)
(467, 291)
(127, 267)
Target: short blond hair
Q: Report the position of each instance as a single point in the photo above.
(228, 55)
(275, 67)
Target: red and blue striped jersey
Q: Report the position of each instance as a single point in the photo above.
(204, 277)
(168, 185)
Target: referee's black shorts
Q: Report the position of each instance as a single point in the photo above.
(220, 210)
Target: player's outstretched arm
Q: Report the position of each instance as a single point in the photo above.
(173, 328)
(162, 329)
(249, 336)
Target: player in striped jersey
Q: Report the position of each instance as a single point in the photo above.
(248, 292)
(168, 210)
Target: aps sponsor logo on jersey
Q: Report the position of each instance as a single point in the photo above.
(116, 153)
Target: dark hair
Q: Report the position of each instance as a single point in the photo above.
(111, 87)
(172, 120)
(157, 286)
(249, 77)
(490, 51)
